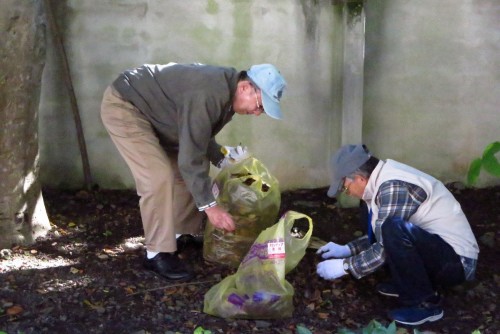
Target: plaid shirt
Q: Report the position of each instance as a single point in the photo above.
(395, 199)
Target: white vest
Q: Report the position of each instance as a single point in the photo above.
(439, 214)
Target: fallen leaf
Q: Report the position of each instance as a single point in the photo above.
(15, 310)
(88, 303)
(336, 292)
(322, 315)
(74, 270)
(351, 322)
(129, 289)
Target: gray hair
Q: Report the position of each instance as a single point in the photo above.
(366, 169)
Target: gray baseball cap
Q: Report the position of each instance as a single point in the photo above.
(345, 162)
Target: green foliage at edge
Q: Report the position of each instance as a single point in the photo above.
(301, 329)
(488, 161)
(374, 327)
(201, 330)
(474, 170)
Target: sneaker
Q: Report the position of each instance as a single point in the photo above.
(416, 315)
(387, 289)
(169, 266)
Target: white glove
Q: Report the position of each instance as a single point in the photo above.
(331, 269)
(332, 249)
(233, 155)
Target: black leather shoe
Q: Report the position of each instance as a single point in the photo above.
(169, 266)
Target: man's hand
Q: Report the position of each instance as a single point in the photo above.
(331, 269)
(233, 155)
(219, 218)
(332, 249)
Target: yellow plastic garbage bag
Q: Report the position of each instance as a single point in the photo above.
(258, 289)
(252, 196)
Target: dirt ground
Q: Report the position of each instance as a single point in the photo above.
(86, 276)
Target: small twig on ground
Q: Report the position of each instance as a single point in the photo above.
(316, 243)
(172, 286)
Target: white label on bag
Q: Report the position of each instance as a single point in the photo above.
(276, 250)
(215, 190)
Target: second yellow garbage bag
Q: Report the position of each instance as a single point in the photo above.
(252, 196)
(258, 289)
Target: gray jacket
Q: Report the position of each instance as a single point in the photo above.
(187, 104)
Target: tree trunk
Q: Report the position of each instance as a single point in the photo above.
(23, 217)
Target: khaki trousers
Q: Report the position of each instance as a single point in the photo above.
(167, 207)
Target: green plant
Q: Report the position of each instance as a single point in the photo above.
(201, 330)
(488, 162)
(301, 329)
(374, 327)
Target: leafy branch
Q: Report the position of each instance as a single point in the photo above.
(487, 162)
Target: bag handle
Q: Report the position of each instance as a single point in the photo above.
(295, 247)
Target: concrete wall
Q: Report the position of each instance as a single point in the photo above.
(302, 38)
(432, 83)
(431, 92)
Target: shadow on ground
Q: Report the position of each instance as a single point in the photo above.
(86, 275)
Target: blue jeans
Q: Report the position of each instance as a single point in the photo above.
(420, 262)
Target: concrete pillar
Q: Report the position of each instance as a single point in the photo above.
(352, 79)
(353, 67)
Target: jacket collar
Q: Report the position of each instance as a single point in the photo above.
(368, 194)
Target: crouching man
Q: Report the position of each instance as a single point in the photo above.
(415, 226)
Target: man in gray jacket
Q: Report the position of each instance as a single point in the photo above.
(163, 119)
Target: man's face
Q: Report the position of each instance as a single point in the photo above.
(354, 186)
(247, 100)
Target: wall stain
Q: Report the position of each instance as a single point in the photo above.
(311, 10)
(212, 7)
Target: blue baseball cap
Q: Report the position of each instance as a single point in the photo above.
(271, 84)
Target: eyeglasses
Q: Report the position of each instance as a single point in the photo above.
(342, 187)
(259, 107)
